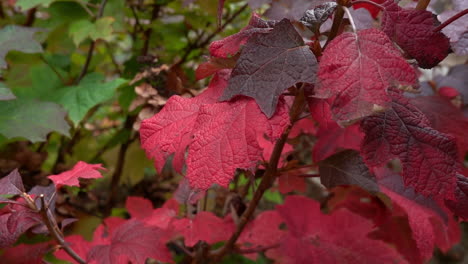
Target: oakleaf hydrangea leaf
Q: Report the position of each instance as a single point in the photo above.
(13, 37)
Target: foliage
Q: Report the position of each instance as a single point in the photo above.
(319, 138)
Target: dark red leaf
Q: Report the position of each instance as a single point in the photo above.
(269, 64)
(201, 228)
(445, 118)
(131, 241)
(291, 181)
(460, 206)
(12, 184)
(26, 254)
(346, 168)
(80, 170)
(333, 138)
(15, 219)
(429, 157)
(413, 31)
(359, 69)
(337, 238)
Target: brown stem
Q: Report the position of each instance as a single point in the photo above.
(368, 2)
(30, 17)
(149, 31)
(267, 179)
(422, 4)
(337, 20)
(450, 20)
(55, 231)
(84, 70)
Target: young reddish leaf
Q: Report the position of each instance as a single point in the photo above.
(142, 209)
(427, 220)
(269, 64)
(138, 207)
(12, 184)
(131, 241)
(171, 130)
(263, 231)
(229, 46)
(346, 168)
(26, 254)
(200, 228)
(429, 157)
(78, 244)
(334, 138)
(226, 139)
(445, 118)
(358, 69)
(337, 238)
(413, 31)
(80, 170)
(292, 181)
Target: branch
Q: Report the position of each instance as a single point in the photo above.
(351, 20)
(450, 20)
(55, 231)
(91, 47)
(267, 179)
(422, 4)
(339, 14)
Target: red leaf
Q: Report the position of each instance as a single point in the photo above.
(226, 139)
(445, 117)
(427, 220)
(78, 244)
(429, 157)
(337, 238)
(263, 231)
(213, 65)
(138, 207)
(460, 206)
(171, 130)
(269, 64)
(80, 170)
(142, 209)
(373, 10)
(15, 219)
(292, 181)
(303, 126)
(26, 254)
(131, 241)
(359, 69)
(334, 138)
(230, 45)
(201, 228)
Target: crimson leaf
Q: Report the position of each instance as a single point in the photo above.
(358, 69)
(80, 170)
(429, 157)
(269, 64)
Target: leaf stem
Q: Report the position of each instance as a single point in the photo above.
(368, 2)
(339, 14)
(450, 20)
(55, 231)
(351, 20)
(84, 70)
(267, 179)
(422, 4)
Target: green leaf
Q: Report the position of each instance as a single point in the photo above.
(27, 4)
(31, 119)
(17, 38)
(5, 93)
(83, 29)
(91, 91)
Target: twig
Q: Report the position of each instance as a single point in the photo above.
(422, 4)
(84, 70)
(267, 179)
(85, 7)
(208, 39)
(149, 31)
(30, 17)
(256, 249)
(55, 230)
(368, 2)
(339, 14)
(351, 20)
(450, 20)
